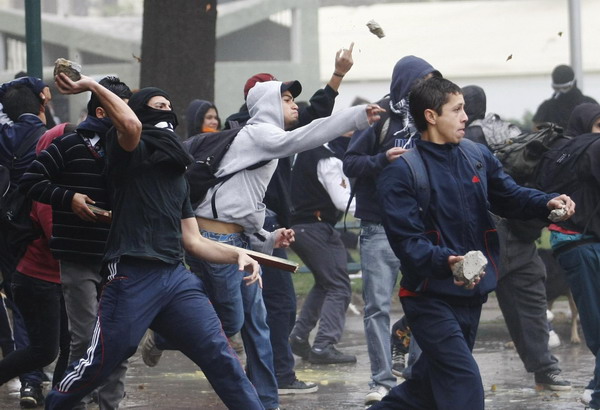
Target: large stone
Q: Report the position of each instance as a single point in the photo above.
(470, 268)
(557, 215)
(70, 68)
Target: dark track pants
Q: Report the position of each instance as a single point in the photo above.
(446, 375)
(170, 300)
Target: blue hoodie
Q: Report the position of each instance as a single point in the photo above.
(365, 158)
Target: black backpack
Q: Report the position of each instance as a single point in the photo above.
(521, 155)
(207, 150)
(559, 166)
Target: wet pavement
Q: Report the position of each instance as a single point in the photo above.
(176, 383)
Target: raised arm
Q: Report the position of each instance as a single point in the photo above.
(128, 126)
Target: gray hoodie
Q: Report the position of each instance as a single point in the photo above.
(239, 199)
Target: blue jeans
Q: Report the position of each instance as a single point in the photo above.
(380, 268)
(170, 300)
(582, 266)
(241, 307)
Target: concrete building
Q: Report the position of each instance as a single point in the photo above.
(509, 47)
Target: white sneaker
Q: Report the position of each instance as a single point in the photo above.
(376, 393)
(586, 397)
(549, 315)
(553, 339)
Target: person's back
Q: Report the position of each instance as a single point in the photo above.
(576, 243)
(320, 193)
(566, 97)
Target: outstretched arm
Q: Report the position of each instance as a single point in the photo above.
(212, 251)
(128, 126)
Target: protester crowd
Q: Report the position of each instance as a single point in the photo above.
(126, 255)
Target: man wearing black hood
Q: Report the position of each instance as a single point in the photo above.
(147, 284)
(521, 287)
(576, 244)
(566, 97)
(367, 155)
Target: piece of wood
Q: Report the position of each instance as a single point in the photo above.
(269, 260)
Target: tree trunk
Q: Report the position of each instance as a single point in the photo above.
(178, 51)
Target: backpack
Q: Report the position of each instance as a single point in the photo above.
(207, 150)
(496, 131)
(559, 166)
(18, 230)
(521, 155)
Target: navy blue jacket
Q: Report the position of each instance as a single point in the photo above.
(457, 221)
(365, 157)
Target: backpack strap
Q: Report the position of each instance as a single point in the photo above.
(221, 181)
(421, 179)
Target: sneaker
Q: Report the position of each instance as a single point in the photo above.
(551, 380)
(400, 341)
(586, 397)
(297, 387)
(376, 393)
(329, 355)
(398, 360)
(300, 347)
(553, 339)
(150, 353)
(31, 396)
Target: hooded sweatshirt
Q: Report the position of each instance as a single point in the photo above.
(582, 119)
(194, 117)
(239, 199)
(365, 158)
(558, 109)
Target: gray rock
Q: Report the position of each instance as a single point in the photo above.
(557, 215)
(470, 268)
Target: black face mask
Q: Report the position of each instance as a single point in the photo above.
(149, 115)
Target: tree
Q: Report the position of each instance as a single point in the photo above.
(178, 50)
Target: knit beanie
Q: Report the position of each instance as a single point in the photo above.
(562, 75)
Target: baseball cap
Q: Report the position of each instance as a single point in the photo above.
(257, 78)
(294, 87)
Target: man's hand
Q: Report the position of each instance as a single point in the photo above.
(454, 259)
(284, 237)
(79, 207)
(373, 111)
(343, 60)
(562, 201)
(394, 153)
(67, 86)
(247, 264)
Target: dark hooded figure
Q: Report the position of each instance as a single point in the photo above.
(566, 97)
(584, 119)
(368, 153)
(201, 116)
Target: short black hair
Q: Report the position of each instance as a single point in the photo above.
(20, 99)
(430, 94)
(112, 83)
